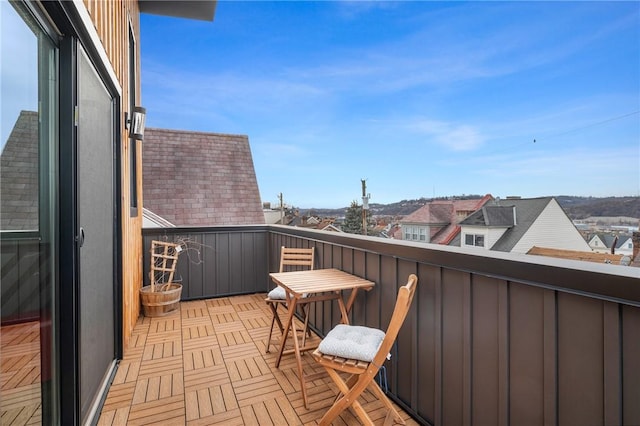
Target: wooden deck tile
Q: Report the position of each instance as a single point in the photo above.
(204, 377)
(161, 411)
(202, 365)
(228, 418)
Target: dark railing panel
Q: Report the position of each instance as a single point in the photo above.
(491, 338)
(526, 359)
(486, 339)
(20, 278)
(427, 343)
(630, 319)
(231, 260)
(580, 361)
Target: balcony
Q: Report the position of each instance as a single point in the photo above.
(491, 338)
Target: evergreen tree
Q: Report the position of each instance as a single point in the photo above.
(353, 219)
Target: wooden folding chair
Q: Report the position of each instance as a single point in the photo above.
(360, 352)
(290, 258)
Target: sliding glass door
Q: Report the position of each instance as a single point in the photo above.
(28, 215)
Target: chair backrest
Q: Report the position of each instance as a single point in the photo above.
(291, 256)
(403, 303)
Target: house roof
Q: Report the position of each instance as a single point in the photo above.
(609, 239)
(492, 215)
(527, 211)
(19, 175)
(200, 179)
(577, 255)
(444, 213)
(435, 212)
(152, 220)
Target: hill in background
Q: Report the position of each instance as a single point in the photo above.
(575, 207)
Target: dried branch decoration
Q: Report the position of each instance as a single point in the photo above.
(164, 257)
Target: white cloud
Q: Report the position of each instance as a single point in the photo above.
(456, 137)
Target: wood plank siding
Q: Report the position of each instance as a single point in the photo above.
(112, 20)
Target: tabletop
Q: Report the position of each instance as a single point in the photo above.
(318, 281)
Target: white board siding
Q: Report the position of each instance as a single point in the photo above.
(598, 245)
(552, 229)
(625, 248)
(494, 235)
(491, 235)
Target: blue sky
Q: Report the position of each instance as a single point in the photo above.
(421, 99)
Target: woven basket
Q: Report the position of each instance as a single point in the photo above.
(160, 303)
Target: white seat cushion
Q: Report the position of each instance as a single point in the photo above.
(278, 293)
(352, 341)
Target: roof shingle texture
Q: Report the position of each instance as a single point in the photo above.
(200, 179)
(19, 175)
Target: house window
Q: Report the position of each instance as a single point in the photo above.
(411, 233)
(423, 234)
(474, 240)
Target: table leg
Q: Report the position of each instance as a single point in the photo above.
(344, 311)
(296, 346)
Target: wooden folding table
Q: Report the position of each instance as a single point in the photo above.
(313, 286)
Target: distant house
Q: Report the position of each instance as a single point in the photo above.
(518, 224)
(603, 243)
(200, 179)
(437, 221)
(271, 215)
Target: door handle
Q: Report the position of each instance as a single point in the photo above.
(80, 237)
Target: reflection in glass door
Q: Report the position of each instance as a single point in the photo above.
(28, 218)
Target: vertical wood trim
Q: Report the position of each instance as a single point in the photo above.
(111, 21)
(550, 358)
(467, 342)
(612, 364)
(438, 349)
(503, 354)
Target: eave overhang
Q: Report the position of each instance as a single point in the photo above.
(203, 10)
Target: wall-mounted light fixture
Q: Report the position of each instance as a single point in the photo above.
(135, 123)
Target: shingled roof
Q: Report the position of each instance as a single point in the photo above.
(200, 179)
(444, 215)
(19, 175)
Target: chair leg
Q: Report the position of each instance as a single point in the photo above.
(392, 413)
(349, 398)
(275, 318)
(306, 333)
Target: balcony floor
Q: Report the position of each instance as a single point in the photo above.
(206, 365)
